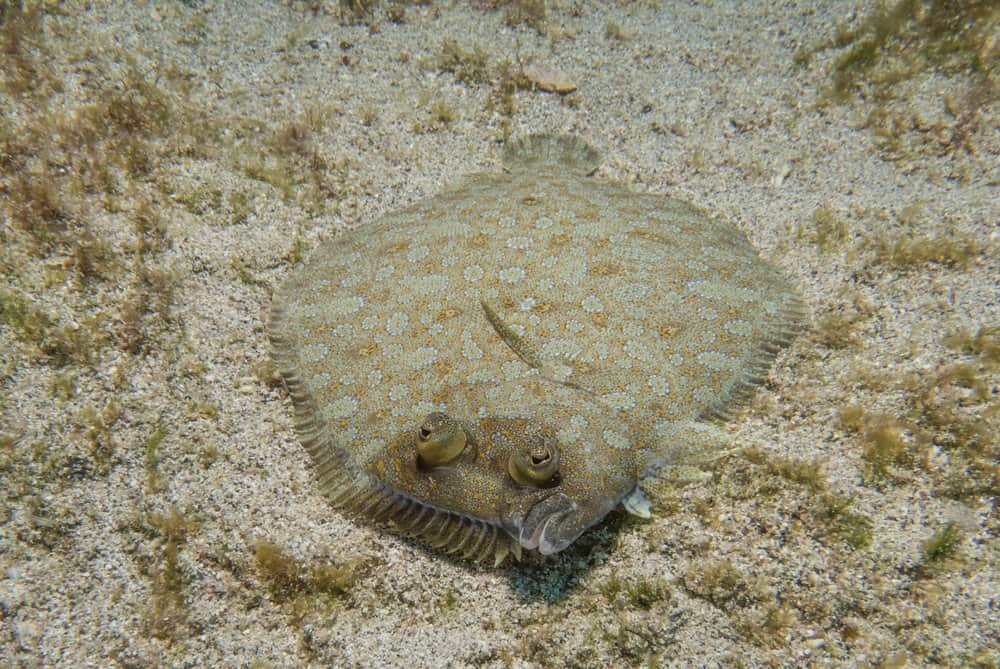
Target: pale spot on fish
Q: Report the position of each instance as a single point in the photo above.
(559, 372)
(342, 407)
(592, 304)
(562, 348)
(422, 357)
(512, 274)
(738, 327)
(572, 432)
(398, 392)
(618, 400)
(336, 307)
(417, 253)
(397, 323)
(616, 440)
(470, 350)
(716, 361)
(473, 273)
(511, 369)
(430, 283)
(424, 407)
(637, 350)
(315, 352)
(659, 385)
(703, 394)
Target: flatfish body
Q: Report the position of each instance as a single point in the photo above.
(497, 367)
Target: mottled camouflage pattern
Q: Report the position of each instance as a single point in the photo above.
(537, 308)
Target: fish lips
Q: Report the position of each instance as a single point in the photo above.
(542, 528)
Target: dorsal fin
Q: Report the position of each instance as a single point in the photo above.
(551, 152)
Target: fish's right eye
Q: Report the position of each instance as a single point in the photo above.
(440, 440)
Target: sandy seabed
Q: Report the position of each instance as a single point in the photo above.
(157, 508)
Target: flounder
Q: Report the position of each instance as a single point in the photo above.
(499, 366)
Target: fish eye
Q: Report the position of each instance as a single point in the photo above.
(538, 466)
(440, 440)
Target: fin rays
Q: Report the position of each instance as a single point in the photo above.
(469, 538)
(785, 326)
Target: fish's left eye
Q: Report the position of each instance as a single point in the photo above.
(538, 466)
(440, 440)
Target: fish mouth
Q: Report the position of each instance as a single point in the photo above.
(542, 527)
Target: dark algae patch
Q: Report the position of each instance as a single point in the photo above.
(897, 40)
(884, 56)
(300, 588)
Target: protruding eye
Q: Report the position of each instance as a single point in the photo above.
(440, 440)
(536, 466)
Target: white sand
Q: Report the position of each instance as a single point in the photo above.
(84, 566)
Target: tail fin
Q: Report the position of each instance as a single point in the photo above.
(550, 151)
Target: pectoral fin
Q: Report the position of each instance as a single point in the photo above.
(683, 444)
(509, 337)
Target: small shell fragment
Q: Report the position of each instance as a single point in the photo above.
(548, 78)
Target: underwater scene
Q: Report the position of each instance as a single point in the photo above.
(499, 333)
